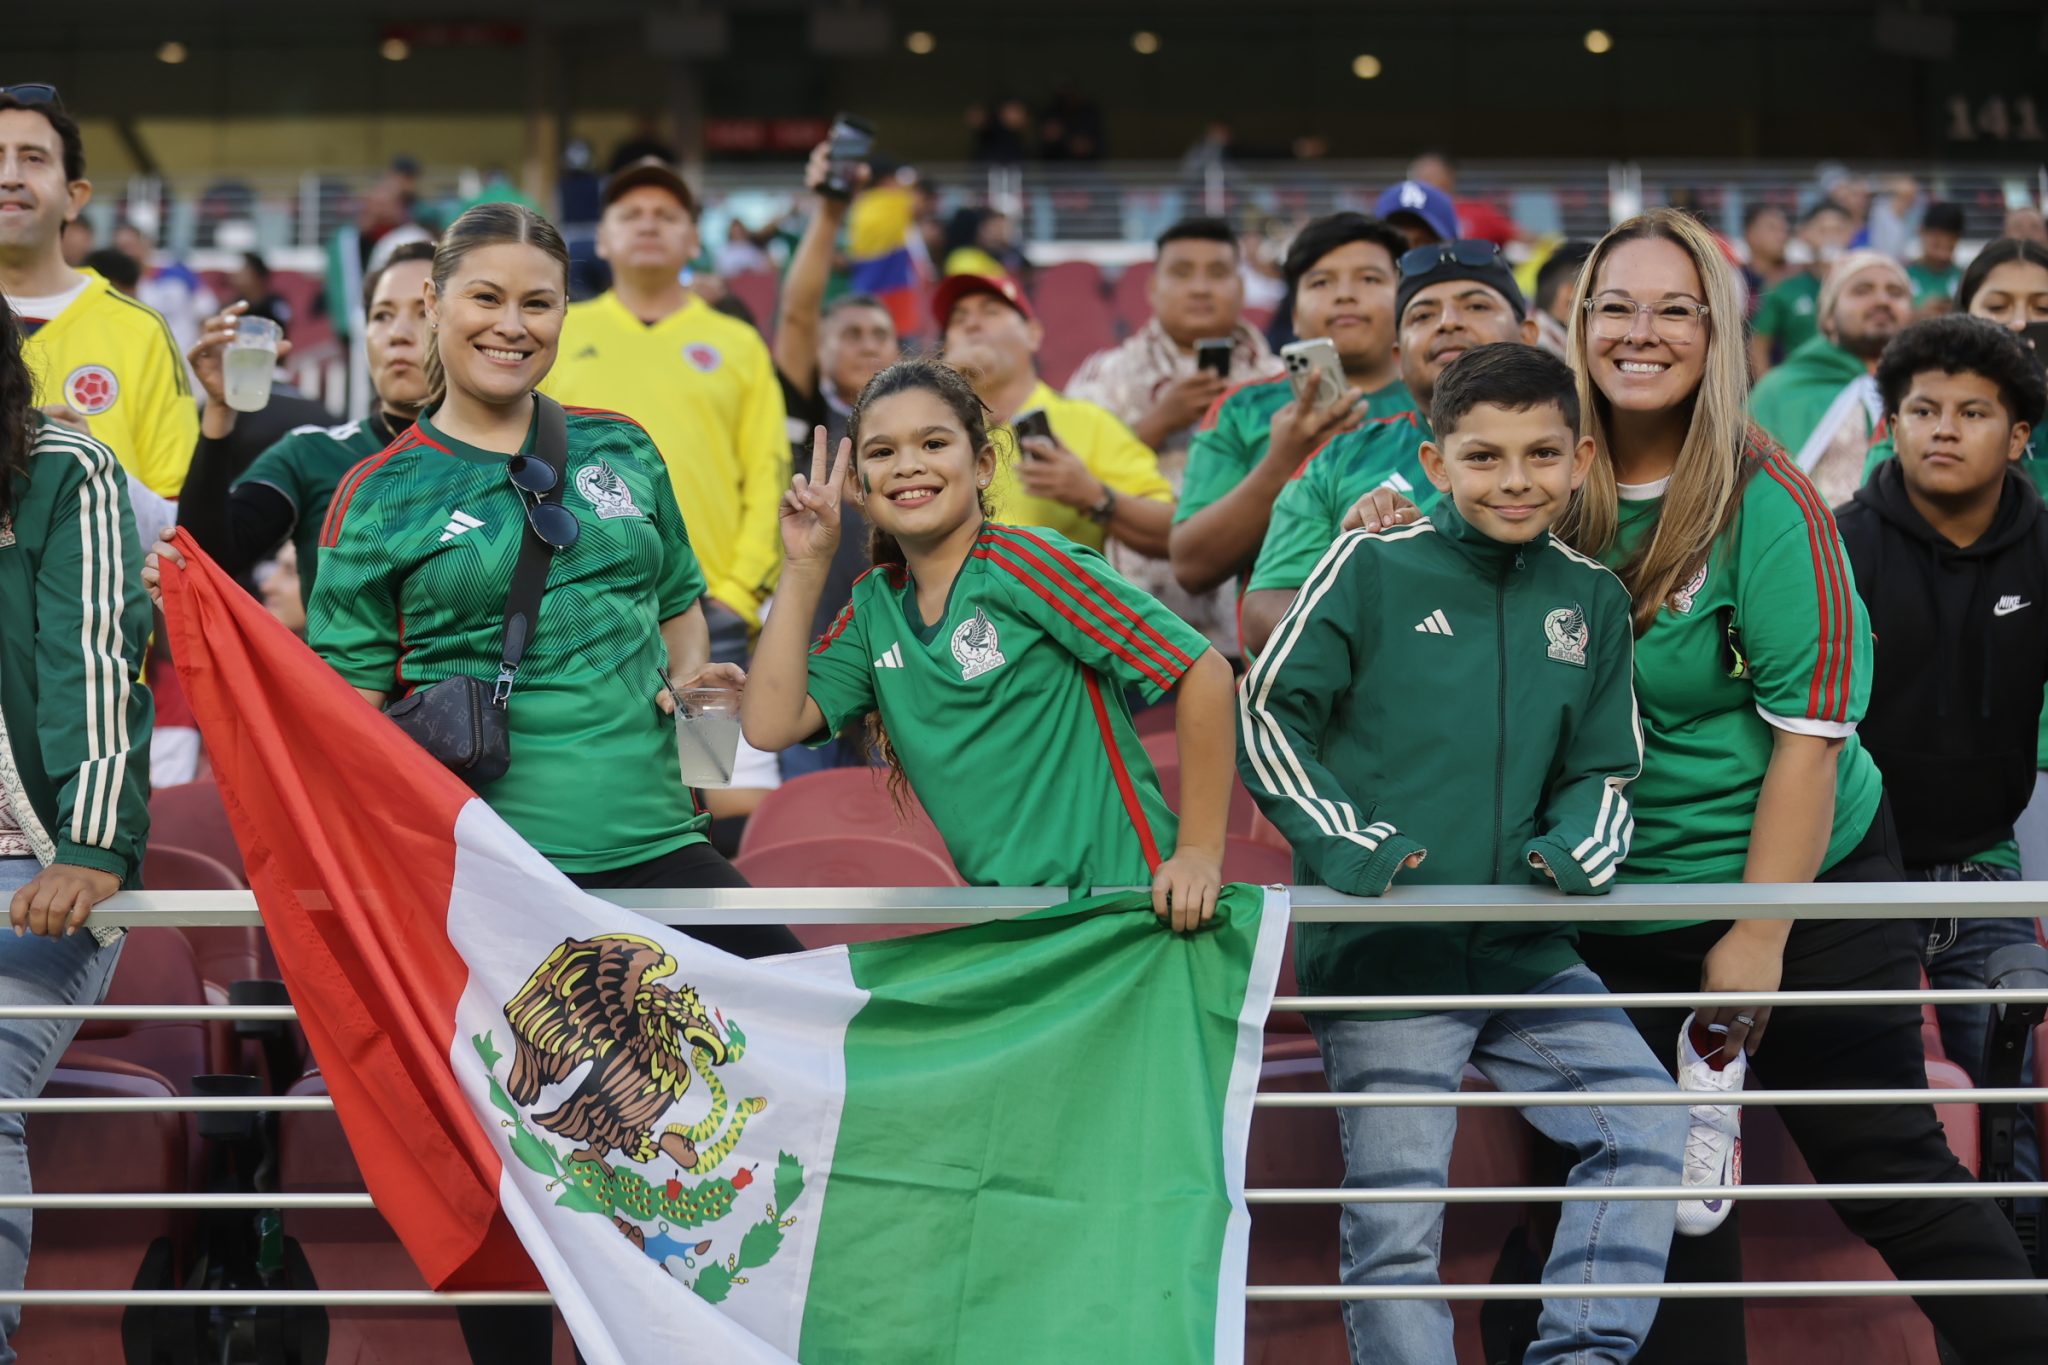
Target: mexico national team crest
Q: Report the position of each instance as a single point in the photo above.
(91, 389)
(1568, 633)
(1682, 599)
(605, 491)
(640, 1143)
(976, 647)
(703, 356)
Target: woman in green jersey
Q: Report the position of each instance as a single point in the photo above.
(241, 517)
(1752, 669)
(991, 663)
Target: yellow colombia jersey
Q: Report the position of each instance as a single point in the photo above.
(114, 361)
(1111, 450)
(702, 385)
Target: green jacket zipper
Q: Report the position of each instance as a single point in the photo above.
(1500, 723)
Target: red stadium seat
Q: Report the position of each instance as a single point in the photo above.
(1244, 811)
(757, 290)
(1077, 318)
(1247, 860)
(225, 954)
(98, 1249)
(1130, 297)
(157, 967)
(845, 860)
(1264, 831)
(840, 801)
(356, 1249)
(191, 816)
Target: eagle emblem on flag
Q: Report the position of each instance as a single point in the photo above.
(605, 1003)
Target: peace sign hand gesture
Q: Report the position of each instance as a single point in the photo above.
(810, 509)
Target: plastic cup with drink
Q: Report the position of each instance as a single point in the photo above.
(707, 735)
(249, 363)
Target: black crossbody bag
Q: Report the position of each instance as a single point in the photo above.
(462, 721)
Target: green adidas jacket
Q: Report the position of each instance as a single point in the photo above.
(1789, 402)
(74, 715)
(1517, 757)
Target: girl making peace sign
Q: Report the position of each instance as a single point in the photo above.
(991, 662)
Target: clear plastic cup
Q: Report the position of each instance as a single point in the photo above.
(707, 735)
(250, 362)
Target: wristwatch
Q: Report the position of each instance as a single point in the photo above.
(1102, 511)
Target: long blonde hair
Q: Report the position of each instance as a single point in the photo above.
(1707, 482)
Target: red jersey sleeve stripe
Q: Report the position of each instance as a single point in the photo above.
(1827, 693)
(1075, 574)
(345, 491)
(1828, 556)
(1115, 645)
(843, 619)
(1119, 772)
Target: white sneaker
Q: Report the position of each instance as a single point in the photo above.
(1713, 1144)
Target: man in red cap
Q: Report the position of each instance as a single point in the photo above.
(1092, 478)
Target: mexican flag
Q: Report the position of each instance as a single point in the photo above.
(1017, 1141)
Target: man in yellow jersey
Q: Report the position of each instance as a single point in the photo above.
(1093, 478)
(701, 383)
(108, 358)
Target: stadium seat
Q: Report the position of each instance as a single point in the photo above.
(1244, 811)
(157, 967)
(192, 816)
(840, 801)
(845, 860)
(1128, 297)
(757, 289)
(1157, 719)
(99, 1249)
(1805, 1240)
(1264, 831)
(1078, 320)
(225, 954)
(1247, 860)
(356, 1249)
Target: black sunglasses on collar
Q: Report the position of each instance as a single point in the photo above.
(1470, 252)
(555, 524)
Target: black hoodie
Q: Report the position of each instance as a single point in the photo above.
(1962, 656)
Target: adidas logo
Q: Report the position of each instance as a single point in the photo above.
(892, 657)
(457, 524)
(1435, 624)
(587, 353)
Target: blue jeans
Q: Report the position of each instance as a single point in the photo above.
(1954, 953)
(34, 971)
(1597, 1241)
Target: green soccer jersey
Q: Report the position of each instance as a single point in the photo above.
(415, 562)
(1930, 284)
(1309, 513)
(1234, 435)
(304, 467)
(1787, 314)
(1769, 636)
(1008, 714)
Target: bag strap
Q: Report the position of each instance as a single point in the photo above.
(536, 556)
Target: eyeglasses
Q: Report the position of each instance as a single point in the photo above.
(1612, 317)
(555, 524)
(1471, 252)
(32, 95)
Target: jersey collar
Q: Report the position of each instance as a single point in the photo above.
(1472, 543)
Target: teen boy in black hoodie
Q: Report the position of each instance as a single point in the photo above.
(1949, 544)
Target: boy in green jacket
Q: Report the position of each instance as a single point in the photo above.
(1518, 775)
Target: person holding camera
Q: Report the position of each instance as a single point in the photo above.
(1078, 469)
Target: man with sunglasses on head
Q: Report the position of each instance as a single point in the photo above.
(1453, 297)
(91, 349)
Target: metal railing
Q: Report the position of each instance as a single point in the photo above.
(945, 906)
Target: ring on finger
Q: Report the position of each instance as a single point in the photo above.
(1746, 1020)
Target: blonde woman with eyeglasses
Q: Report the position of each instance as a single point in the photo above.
(1752, 660)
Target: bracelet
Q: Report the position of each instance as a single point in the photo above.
(1102, 511)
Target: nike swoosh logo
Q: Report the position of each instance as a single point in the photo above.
(1714, 1205)
(2007, 609)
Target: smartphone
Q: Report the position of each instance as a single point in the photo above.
(1314, 371)
(1031, 422)
(850, 142)
(2035, 334)
(1213, 353)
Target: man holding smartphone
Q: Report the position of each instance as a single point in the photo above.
(1341, 273)
(1169, 372)
(1084, 475)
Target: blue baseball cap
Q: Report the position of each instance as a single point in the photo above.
(1425, 203)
